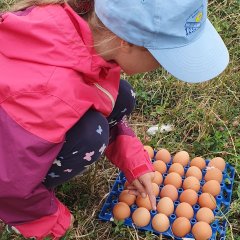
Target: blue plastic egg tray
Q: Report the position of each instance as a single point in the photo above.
(223, 204)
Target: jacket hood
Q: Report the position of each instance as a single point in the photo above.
(53, 35)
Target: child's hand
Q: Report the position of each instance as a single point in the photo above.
(143, 186)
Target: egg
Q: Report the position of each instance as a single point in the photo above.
(174, 179)
(141, 217)
(202, 231)
(156, 189)
(212, 187)
(177, 168)
(143, 202)
(129, 199)
(169, 191)
(217, 162)
(213, 174)
(160, 166)
(165, 206)
(160, 222)
(121, 211)
(181, 227)
(195, 172)
(150, 151)
(198, 162)
(181, 157)
(164, 155)
(184, 210)
(189, 196)
(158, 178)
(207, 200)
(191, 183)
(205, 215)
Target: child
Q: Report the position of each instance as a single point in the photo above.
(63, 105)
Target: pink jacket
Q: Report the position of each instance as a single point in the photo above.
(49, 77)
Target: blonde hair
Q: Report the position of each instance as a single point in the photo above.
(84, 8)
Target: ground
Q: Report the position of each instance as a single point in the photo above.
(206, 121)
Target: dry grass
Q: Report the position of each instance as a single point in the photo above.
(206, 119)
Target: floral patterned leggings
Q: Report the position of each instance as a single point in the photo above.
(86, 141)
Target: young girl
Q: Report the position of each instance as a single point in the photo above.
(62, 101)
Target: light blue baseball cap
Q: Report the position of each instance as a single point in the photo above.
(176, 32)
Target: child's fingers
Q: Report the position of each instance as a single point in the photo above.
(146, 180)
(131, 187)
(133, 192)
(149, 190)
(140, 188)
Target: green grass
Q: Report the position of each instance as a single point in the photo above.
(206, 121)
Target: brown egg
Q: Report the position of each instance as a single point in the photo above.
(217, 162)
(165, 206)
(156, 189)
(158, 178)
(189, 196)
(181, 227)
(169, 191)
(184, 210)
(177, 168)
(143, 202)
(212, 187)
(129, 199)
(207, 200)
(213, 174)
(191, 183)
(150, 151)
(195, 172)
(141, 217)
(205, 215)
(121, 211)
(198, 162)
(173, 179)
(202, 231)
(160, 166)
(164, 155)
(160, 222)
(181, 157)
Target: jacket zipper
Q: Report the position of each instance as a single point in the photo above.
(107, 93)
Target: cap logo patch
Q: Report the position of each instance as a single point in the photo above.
(194, 22)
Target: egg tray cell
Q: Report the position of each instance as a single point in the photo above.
(223, 204)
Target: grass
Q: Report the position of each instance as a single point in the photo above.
(206, 119)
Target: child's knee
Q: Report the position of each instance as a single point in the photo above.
(90, 132)
(96, 132)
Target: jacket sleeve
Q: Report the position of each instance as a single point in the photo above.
(126, 152)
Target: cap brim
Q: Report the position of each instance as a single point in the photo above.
(199, 61)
